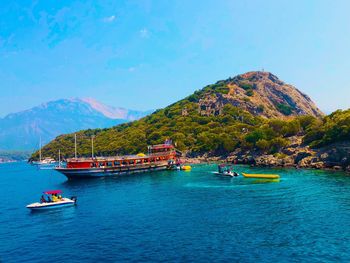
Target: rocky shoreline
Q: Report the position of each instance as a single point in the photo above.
(333, 157)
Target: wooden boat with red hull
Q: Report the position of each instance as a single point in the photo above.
(158, 158)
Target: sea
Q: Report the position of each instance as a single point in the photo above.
(177, 216)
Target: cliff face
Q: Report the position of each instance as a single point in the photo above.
(260, 93)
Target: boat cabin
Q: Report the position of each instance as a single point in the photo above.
(156, 153)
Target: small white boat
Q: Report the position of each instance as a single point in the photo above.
(46, 161)
(232, 174)
(226, 170)
(55, 201)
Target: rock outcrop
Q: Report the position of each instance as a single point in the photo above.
(335, 156)
(260, 93)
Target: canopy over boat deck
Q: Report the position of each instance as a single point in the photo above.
(53, 192)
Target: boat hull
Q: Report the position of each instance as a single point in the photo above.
(52, 205)
(76, 173)
(225, 174)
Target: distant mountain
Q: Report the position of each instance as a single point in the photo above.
(115, 112)
(22, 130)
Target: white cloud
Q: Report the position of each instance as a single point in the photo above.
(109, 19)
(144, 33)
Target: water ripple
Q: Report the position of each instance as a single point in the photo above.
(176, 216)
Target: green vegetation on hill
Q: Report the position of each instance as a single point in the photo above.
(334, 128)
(190, 131)
(285, 109)
(230, 114)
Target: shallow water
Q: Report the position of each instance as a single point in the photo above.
(177, 216)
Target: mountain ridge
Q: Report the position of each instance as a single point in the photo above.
(21, 130)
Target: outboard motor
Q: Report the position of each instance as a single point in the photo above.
(220, 169)
(74, 198)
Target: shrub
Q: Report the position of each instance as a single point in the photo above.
(307, 121)
(263, 145)
(285, 109)
(277, 126)
(277, 144)
(222, 89)
(280, 155)
(261, 108)
(291, 128)
(193, 98)
(249, 92)
(246, 86)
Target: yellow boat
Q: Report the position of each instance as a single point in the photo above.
(264, 176)
(186, 167)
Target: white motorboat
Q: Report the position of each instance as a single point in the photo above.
(55, 201)
(226, 170)
(48, 161)
(232, 174)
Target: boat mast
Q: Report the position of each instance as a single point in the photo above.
(40, 149)
(75, 145)
(59, 157)
(92, 146)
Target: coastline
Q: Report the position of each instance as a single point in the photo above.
(335, 157)
(203, 160)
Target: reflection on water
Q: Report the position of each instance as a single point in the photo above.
(265, 181)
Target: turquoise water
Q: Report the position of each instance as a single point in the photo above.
(177, 216)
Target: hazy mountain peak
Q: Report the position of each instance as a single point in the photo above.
(21, 130)
(108, 111)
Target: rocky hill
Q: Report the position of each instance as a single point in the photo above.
(320, 144)
(260, 93)
(253, 118)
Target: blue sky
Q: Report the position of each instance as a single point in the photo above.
(148, 54)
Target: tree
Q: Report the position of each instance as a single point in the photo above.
(263, 145)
